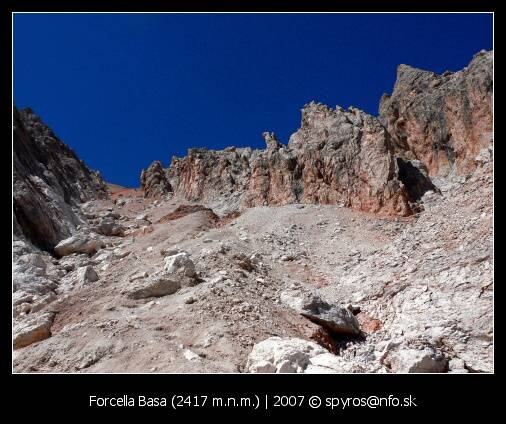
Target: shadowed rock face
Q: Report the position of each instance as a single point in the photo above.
(154, 181)
(442, 120)
(414, 177)
(49, 182)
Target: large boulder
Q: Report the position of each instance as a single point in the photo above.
(32, 329)
(282, 355)
(424, 359)
(334, 318)
(109, 227)
(79, 243)
(155, 286)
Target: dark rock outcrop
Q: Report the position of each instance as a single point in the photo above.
(414, 176)
(154, 181)
(49, 182)
(445, 120)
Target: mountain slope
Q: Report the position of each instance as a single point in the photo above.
(49, 182)
(334, 253)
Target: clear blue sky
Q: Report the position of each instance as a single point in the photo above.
(126, 89)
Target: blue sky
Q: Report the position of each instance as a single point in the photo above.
(126, 89)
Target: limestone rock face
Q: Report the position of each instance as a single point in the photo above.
(212, 176)
(336, 157)
(154, 181)
(346, 157)
(430, 125)
(442, 120)
(49, 182)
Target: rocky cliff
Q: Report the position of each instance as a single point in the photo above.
(154, 182)
(430, 125)
(154, 280)
(337, 156)
(444, 121)
(49, 181)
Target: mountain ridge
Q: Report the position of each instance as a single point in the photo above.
(363, 245)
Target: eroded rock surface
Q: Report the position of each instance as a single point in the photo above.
(155, 286)
(442, 120)
(32, 330)
(49, 182)
(154, 181)
(338, 156)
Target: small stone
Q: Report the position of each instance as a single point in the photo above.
(138, 276)
(181, 264)
(155, 287)
(87, 274)
(191, 356)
